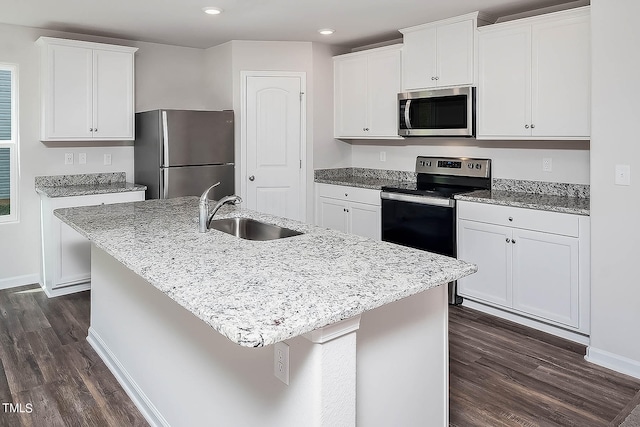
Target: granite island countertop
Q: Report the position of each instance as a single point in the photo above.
(544, 202)
(258, 293)
(84, 184)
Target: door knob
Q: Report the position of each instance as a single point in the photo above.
(252, 178)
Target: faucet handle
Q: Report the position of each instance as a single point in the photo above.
(205, 195)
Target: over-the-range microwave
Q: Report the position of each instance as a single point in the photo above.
(437, 112)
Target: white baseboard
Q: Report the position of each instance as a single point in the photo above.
(52, 293)
(14, 282)
(142, 402)
(621, 364)
(541, 326)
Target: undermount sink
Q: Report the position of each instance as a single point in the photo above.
(251, 229)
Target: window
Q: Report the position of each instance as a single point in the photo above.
(8, 144)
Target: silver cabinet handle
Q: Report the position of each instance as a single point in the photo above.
(508, 240)
(433, 78)
(526, 126)
(513, 241)
(533, 126)
(346, 195)
(90, 129)
(252, 178)
(95, 130)
(437, 78)
(511, 218)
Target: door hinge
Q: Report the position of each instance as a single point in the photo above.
(300, 163)
(301, 93)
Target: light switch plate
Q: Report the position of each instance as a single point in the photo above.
(82, 158)
(68, 158)
(107, 159)
(623, 175)
(547, 164)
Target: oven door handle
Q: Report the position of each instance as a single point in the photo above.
(422, 200)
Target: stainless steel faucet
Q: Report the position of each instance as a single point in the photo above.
(204, 217)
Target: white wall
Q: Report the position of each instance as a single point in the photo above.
(615, 307)
(166, 77)
(327, 151)
(510, 159)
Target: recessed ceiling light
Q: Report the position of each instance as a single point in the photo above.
(212, 10)
(326, 31)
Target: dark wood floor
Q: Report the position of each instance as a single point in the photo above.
(45, 361)
(504, 374)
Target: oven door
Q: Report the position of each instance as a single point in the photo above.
(419, 222)
(422, 223)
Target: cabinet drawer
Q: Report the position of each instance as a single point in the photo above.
(529, 219)
(353, 194)
(96, 199)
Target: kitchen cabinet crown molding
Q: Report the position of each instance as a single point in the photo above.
(548, 17)
(481, 18)
(391, 47)
(43, 41)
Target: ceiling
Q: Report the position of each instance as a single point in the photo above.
(182, 22)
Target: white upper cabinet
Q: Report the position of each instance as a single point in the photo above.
(534, 78)
(366, 86)
(87, 91)
(439, 54)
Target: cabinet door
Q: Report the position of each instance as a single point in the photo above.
(384, 77)
(504, 83)
(489, 247)
(419, 59)
(68, 93)
(561, 78)
(332, 213)
(350, 87)
(74, 256)
(113, 110)
(364, 220)
(455, 54)
(545, 276)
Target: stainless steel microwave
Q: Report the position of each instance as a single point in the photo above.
(437, 112)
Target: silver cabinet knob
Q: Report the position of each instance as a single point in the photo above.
(511, 218)
(90, 129)
(526, 126)
(346, 195)
(533, 126)
(433, 78)
(513, 241)
(508, 240)
(95, 130)
(252, 178)
(437, 78)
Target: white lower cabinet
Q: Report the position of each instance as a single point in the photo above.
(66, 254)
(349, 209)
(530, 263)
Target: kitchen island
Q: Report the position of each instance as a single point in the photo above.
(185, 320)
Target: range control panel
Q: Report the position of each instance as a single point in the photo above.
(462, 166)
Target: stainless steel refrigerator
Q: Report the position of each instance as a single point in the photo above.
(183, 152)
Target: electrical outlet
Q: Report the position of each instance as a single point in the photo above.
(623, 175)
(547, 164)
(383, 156)
(281, 362)
(82, 158)
(68, 158)
(107, 159)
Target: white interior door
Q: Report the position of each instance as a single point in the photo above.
(274, 132)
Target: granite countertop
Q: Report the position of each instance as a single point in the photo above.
(84, 184)
(259, 293)
(373, 179)
(544, 202)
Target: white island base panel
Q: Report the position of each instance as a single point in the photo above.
(392, 370)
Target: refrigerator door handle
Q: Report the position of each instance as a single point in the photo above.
(164, 183)
(165, 139)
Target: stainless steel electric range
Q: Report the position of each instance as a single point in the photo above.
(422, 215)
